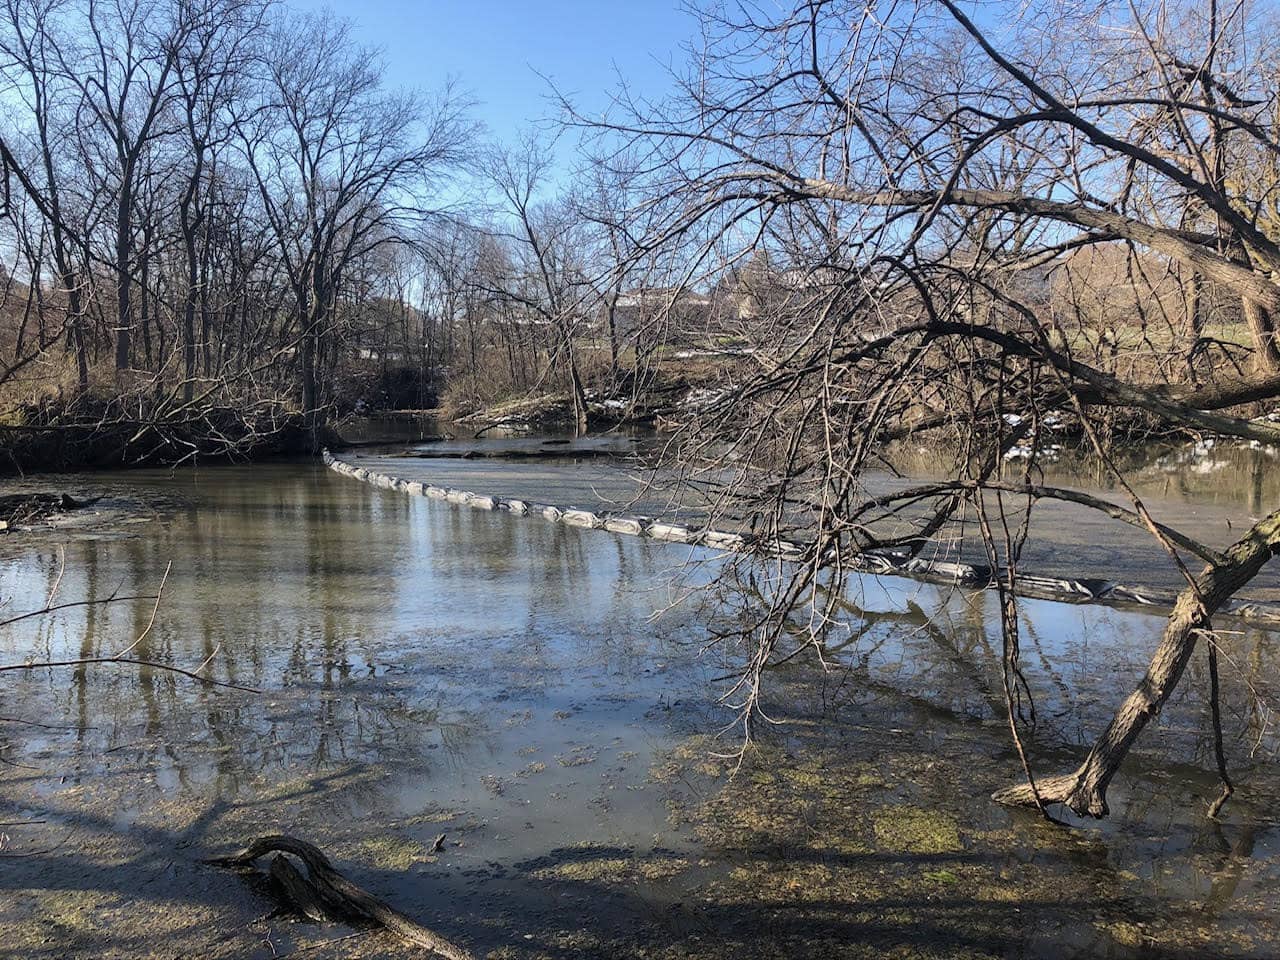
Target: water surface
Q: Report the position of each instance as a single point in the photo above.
(424, 668)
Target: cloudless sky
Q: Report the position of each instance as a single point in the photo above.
(497, 48)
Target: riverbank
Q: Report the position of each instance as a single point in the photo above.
(102, 436)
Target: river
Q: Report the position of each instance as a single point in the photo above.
(545, 698)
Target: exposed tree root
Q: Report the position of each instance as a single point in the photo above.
(326, 894)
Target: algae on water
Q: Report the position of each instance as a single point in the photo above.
(904, 829)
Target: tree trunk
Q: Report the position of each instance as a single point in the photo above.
(308, 358)
(206, 320)
(189, 339)
(612, 313)
(1085, 790)
(123, 307)
(1193, 321)
(78, 333)
(144, 314)
(189, 305)
(1262, 328)
(579, 393)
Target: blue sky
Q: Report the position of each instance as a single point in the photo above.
(497, 48)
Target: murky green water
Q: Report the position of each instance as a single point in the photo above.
(423, 669)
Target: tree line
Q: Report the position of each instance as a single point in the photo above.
(212, 207)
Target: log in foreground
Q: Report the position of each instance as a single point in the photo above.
(326, 894)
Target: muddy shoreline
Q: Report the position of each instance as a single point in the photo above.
(840, 834)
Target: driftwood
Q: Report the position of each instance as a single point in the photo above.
(68, 502)
(28, 508)
(325, 894)
(388, 442)
(298, 890)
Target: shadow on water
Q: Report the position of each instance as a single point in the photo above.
(427, 669)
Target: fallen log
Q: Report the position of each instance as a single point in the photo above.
(297, 889)
(327, 893)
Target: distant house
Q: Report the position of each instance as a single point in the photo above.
(679, 312)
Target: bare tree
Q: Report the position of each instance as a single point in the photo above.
(202, 195)
(910, 187)
(121, 57)
(33, 73)
(342, 167)
(209, 87)
(550, 282)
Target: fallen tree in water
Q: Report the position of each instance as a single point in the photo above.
(1085, 790)
(20, 509)
(325, 894)
(911, 258)
(107, 436)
